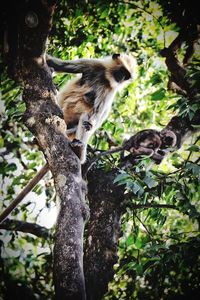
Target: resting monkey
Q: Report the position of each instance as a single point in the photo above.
(148, 142)
(86, 102)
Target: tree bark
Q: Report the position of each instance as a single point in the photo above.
(28, 26)
(103, 231)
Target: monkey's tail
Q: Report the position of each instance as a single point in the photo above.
(24, 192)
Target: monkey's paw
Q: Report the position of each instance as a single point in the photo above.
(77, 147)
(87, 125)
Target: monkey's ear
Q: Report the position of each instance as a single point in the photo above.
(115, 56)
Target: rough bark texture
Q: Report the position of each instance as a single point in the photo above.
(28, 25)
(103, 231)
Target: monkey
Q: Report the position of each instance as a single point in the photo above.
(149, 142)
(86, 102)
(145, 142)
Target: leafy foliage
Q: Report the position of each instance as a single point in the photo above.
(159, 248)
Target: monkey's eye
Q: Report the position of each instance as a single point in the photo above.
(115, 56)
(121, 74)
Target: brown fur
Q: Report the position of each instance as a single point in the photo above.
(72, 101)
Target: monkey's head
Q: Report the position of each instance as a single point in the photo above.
(169, 139)
(121, 69)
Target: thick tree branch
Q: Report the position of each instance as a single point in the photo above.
(182, 126)
(192, 42)
(178, 72)
(35, 229)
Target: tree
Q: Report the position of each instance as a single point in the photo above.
(143, 219)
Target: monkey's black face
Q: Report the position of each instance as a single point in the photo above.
(121, 74)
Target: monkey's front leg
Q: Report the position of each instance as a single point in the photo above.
(85, 128)
(83, 134)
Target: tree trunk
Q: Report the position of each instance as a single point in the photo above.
(28, 25)
(103, 231)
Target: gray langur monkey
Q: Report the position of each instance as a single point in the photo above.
(86, 101)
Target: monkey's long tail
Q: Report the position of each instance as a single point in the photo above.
(24, 192)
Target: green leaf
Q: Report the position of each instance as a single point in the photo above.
(138, 244)
(131, 265)
(122, 178)
(193, 148)
(11, 167)
(135, 187)
(194, 168)
(155, 79)
(1, 142)
(139, 269)
(104, 14)
(196, 126)
(158, 95)
(130, 240)
(150, 182)
(37, 189)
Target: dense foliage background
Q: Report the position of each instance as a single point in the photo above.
(159, 247)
